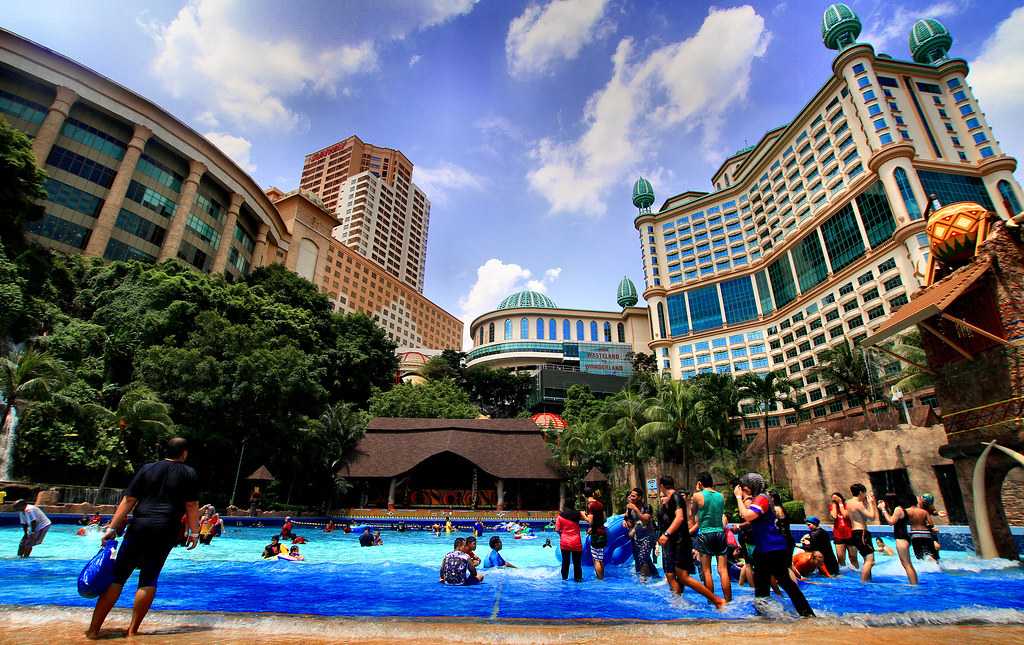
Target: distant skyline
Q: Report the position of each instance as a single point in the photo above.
(527, 122)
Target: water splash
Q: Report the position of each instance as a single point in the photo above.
(8, 438)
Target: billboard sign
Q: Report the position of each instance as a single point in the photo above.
(607, 358)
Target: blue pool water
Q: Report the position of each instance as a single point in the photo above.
(399, 578)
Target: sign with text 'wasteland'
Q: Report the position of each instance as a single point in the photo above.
(608, 359)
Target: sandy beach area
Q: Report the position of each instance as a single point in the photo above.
(50, 625)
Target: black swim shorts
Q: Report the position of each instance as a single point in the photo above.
(677, 554)
(924, 546)
(712, 543)
(861, 540)
(143, 550)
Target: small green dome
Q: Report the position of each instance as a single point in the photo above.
(627, 296)
(643, 194)
(929, 41)
(527, 300)
(839, 26)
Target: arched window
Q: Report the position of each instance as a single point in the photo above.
(908, 194)
(490, 333)
(508, 329)
(524, 328)
(661, 320)
(593, 331)
(540, 328)
(481, 336)
(579, 330)
(309, 253)
(566, 330)
(552, 330)
(622, 333)
(1009, 197)
(607, 332)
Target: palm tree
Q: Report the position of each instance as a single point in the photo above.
(25, 378)
(767, 391)
(844, 367)
(671, 426)
(717, 404)
(341, 426)
(912, 377)
(139, 424)
(623, 417)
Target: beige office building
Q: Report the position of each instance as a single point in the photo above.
(816, 234)
(380, 212)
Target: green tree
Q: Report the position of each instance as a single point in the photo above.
(717, 400)
(767, 391)
(361, 358)
(500, 393)
(448, 364)
(21, 186)
(577, 449)
(912, 377)
(12, 295)
(25, 378)
(844, 367)
(671, 428)
(327, 445)
(430, 400)
(581, 405)
(133, 431)
(625, 414)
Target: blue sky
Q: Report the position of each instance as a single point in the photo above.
(527, 122)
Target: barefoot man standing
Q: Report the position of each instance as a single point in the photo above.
(160, 494)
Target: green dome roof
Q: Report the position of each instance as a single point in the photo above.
(643, 194)
(627, 293)
(839, 26)
(527, 299)
(929, 41)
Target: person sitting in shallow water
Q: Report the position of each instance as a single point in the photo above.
(366, 538)
(494, 558)
(293, 553)
(377, 539)
(273, 549)
(881, 547)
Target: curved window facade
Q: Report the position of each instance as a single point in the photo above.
(738, 298)
(842, 241)
(622, 333)
(705, 312)
(524, 328)
(552, 329)
(593, 331)
(481, 336)
(810, 264)
(661, 320)
(781, 275)
(508, 329)
(540, 328)
(566, 330)
(490, 333)
(677, 321)
(876, 215)
(903, 182)
(607, 332)
(579, 330)
(1009, 197)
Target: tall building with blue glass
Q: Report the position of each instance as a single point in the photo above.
(814, 235)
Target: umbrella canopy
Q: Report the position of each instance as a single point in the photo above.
(261, 475)
(595, 476)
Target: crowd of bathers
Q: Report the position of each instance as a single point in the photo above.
(691, 535)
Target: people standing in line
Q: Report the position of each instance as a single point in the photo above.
(841, 531)
(639, 519)
(772, 552)
(676, 544)
(159, 494)
(897, 516)
(817, 539)
(567, 525)
(598, 533)
(862, 510)
(707, 513)
(34, 526)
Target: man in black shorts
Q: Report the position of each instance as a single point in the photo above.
(159, 495)
(676, 545)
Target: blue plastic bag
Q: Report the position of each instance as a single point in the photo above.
(98, 573)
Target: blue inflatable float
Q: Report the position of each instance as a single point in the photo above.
(619, 549)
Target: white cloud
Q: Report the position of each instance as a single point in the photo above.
(415, 58)
(238, 148)
(689, 83)
(494, 281)
(243, 68)
(885, 29)
(438, 182)
(542, 36)
(998, 83)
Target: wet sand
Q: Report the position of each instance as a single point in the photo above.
(51, 625)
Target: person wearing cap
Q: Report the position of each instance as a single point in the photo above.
(772, 552)
(817, 539)
(34, 526)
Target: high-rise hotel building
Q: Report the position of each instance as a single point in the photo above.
(128, 181)
(381, 213)
(816, 234)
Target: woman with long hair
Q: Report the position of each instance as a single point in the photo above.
(896, 515)
(842, 530)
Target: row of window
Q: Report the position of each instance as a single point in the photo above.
(204, 231)
(77, 200)
(84, 167)
(96, 139)
(550, 329)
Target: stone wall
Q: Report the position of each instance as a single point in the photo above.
(1013, 497)
(822, 463)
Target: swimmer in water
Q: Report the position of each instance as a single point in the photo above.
(547, 544)
(294, 554)
(881, 547)
(494, 558)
